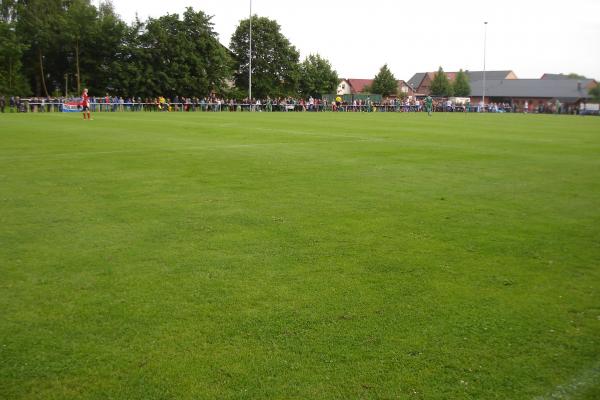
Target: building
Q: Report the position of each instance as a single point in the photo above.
(554, 76)
(353, 86)
(587, 83)
(404, 88)
(475, 76)
(539, 94)
(421, 81)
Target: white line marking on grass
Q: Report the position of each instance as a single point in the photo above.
(577, 385)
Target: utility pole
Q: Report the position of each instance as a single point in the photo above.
(484, 50)
(250, 59)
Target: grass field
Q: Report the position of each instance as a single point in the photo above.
(299, 256)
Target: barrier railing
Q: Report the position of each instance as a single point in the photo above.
(36, 106)
(28, 106)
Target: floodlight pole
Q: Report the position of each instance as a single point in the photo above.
(484, 50)
(250, 61)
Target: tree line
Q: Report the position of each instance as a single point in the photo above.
(53, 47)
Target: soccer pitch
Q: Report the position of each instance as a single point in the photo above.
(299, 256)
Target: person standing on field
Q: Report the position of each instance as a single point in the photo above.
(85, 104)
(428, 105)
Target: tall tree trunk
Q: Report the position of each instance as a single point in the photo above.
(42, 73)
(77, 65)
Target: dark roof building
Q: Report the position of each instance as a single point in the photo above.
(475, 76)
(535, 95)
(505, 87)
(565, 90)
(563, 76)
(421, 81)
(585, 82)
(555, 76)
(416, 79)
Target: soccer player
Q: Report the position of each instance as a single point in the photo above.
(85, 104)
(428, 105)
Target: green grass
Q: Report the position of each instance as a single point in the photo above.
(299, 256)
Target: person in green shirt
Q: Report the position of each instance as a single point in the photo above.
(428, 105)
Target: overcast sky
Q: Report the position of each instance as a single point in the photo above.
(529, 37)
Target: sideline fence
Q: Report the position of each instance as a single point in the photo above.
(27, 106)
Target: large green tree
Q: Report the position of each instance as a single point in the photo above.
(384, 82)
(131, 69)
(12, 80)
(81, 19)
(317, 77)
(40, 23)
(595, 92)
(110, 38)
(70, 42)
(172, 56)
(440, 85)
(275, 61)
(461, 86)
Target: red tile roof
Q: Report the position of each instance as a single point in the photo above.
(358, 85)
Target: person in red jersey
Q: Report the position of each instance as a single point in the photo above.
(85, 104)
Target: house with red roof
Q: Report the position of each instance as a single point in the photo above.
(352, 86)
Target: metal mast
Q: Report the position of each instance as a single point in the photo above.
(250, 59)
(484, 50)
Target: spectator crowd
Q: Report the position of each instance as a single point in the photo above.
(219, 104)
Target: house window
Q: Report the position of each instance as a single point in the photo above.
(343, 86)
